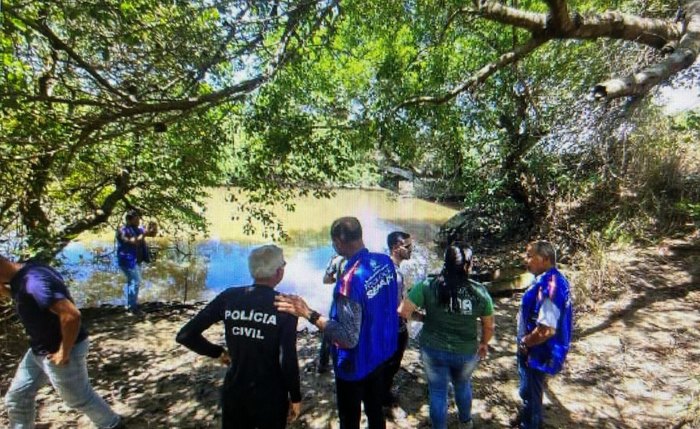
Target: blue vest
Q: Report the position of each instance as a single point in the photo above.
(549, 356)
(370, 280)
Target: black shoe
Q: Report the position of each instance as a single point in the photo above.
(515, 421)
(390, 400)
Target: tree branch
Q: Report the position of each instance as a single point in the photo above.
(480, 75)
(559, 24)
(655, 33)
(494, 11)
(684, 56)
(559, 21)
(612, 24)
(100, 215)
(230, 93)
(57, 43)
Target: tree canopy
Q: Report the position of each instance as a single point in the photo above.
(115, 104)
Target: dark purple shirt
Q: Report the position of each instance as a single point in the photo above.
(130, 254)
(35, 288)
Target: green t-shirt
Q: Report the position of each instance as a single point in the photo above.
(451, 331)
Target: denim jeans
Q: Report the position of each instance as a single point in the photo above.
(131, 289)
(70, 381)
(441, 367)
(531, 386)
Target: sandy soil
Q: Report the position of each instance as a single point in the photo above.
(635, 363)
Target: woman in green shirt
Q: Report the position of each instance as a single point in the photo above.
(450, 348)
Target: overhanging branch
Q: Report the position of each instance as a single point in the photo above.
(59, 44)
(122, 187)
(683, 57)
(480, 75)
(611, 24)
(560, 24)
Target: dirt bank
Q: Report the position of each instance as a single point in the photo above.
(635, 363)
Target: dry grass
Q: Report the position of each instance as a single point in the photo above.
(596, 275)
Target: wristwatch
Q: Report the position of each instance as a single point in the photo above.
(314, 316)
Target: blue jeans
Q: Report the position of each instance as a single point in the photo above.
(531, 386)
(440, 368)
(131, 289)
(70, 381)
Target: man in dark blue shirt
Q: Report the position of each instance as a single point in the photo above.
(59, 346)
(263, 376)
(131, 252)
(363, 325)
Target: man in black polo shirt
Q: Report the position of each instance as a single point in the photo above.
(263, 375)
(59, 346)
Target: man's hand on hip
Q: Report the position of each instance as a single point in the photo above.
(60, 358)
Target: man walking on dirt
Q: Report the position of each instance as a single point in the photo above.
(362, 325)
(545, 324)
(263, 374)
(59, 346)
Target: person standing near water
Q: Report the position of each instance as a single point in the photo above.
(263, 374)
(450, 344)
(333, 271)
(363, 325)
(131, 252)
(400, 247)
(545, 325)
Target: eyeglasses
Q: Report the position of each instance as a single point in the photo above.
(408, 246)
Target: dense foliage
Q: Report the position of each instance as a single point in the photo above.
(114, 104)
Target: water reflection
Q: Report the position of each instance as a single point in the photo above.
(199, 270)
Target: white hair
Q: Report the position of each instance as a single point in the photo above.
(264, 261)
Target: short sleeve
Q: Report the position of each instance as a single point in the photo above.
(549, 314)
(488, 304)
(415, 295)
(42, 291)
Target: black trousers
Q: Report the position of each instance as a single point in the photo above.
(370, 392)
(394, 364)
(254, 408)
(324, 353)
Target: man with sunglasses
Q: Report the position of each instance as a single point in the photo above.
(400, 247)
(362, 325)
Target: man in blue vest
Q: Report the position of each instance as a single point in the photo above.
(363, 325)
(545, 325)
